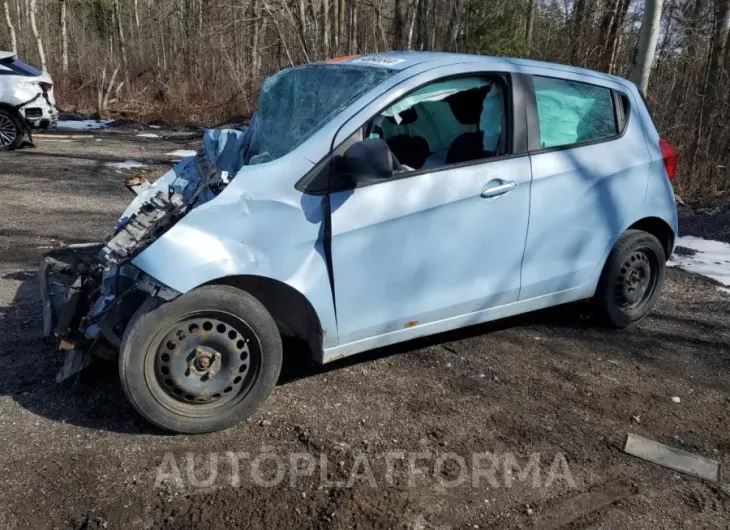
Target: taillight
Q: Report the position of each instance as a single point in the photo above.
(670, 158)
(46, 86)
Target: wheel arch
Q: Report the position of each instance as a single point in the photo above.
(11, 109)
(660, 229)
(292, 311)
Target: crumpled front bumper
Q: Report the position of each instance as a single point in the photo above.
(88, 304)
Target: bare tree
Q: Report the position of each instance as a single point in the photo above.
(397, 25)
(36, 35)
(412, 24)
(64, 36)
(719, 46)
(578, 23)
(325, 28)
(122, 42)
(644, 58)
(11, 27)
(529, 22)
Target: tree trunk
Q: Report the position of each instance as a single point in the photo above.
(434, 24)
(422, 25)
(302, 27)
(397, 25)
(122, 42)
(336, 26)
(576, 32)
(611, 29)
(412, 24)
(136, 14)
(64, 37)
(325, 29)
(342, 25)
(254, 13)
(719, 44)
(36, 35)
(353, 27)
(692, 31)
(644, 58)
(529, 23)
(11, 27)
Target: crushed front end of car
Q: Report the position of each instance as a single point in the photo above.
(92, 291)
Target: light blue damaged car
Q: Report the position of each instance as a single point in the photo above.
(371, 200)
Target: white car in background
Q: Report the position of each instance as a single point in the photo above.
(26, 101)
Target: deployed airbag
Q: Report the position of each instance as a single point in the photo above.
(571, 112)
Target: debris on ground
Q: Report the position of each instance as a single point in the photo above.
(672, 458)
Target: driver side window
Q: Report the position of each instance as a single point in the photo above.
(446, 122)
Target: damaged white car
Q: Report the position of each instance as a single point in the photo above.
(371, 200)
(27, 101)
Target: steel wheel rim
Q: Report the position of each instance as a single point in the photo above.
(637, 279)
(8, 131)
(197, 393)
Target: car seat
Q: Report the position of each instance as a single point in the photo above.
(466, 107)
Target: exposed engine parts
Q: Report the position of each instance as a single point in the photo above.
(142, 228)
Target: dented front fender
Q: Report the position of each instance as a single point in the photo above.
(259, 225)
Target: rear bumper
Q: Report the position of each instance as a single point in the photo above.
(40, 112)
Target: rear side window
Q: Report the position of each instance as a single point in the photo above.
(570, 112)
(14, 66)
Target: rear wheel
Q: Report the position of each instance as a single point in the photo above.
(631, 280)
(11, 133)
(203, 362)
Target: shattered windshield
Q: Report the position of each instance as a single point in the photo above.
(296, 102)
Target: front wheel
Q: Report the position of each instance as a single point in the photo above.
(202, 362)
(631, 280)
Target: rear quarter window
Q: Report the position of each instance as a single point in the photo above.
(571, 113)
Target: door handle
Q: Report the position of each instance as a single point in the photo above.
(491, 191)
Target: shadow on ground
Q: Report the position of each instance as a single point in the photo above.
(95, 399)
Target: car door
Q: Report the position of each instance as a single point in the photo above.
(589, 164)
(430, 244)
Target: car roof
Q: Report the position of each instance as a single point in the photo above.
(401, 60)
(6, 55)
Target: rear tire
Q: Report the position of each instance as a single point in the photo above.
(11, 131)
(202, 362)
(631, 280)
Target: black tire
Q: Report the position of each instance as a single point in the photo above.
(224, 326)
(11, 131)
(632, 279)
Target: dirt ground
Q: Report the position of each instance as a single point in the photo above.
(549, 385)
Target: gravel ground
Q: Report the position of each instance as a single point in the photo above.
(549, 385)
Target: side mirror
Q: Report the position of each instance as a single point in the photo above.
(368, 160)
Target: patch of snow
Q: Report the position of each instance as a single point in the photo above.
(155, 126)
(676, 399)
(711, 258)
(127, 164)
(59, 140)
(148, 135)
(182, 153)
(83, 124)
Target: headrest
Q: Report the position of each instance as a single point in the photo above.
(466, 106)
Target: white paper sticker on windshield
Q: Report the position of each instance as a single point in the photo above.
(379, 59)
